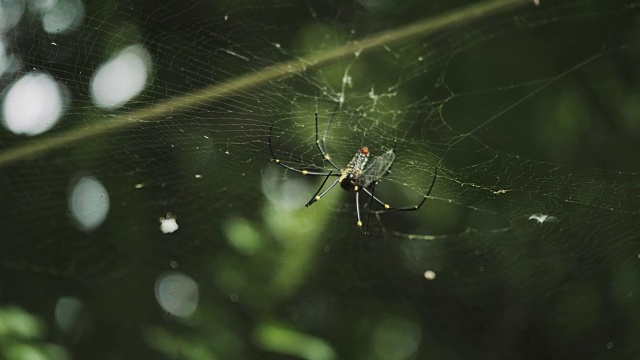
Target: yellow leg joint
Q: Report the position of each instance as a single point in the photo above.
(304, 172)
(386, 206)
(359, 223)
(317, 197)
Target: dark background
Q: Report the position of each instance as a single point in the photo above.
(531, 110)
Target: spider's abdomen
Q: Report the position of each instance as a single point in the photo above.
(350, 175)
(356, 165)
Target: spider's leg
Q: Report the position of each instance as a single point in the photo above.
(388, 207)
(359, 222)
(317, 197)
(433, 182)
(303, 172)
(373, 197)
(373, 190)
(323, 147)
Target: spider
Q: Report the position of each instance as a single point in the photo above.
(360, 174)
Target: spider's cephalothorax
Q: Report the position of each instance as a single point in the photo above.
(349, 176)
(359, 175)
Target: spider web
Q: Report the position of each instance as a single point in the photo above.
(528, 111)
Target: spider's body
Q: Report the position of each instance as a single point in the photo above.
(360, 174)
(350, 176)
